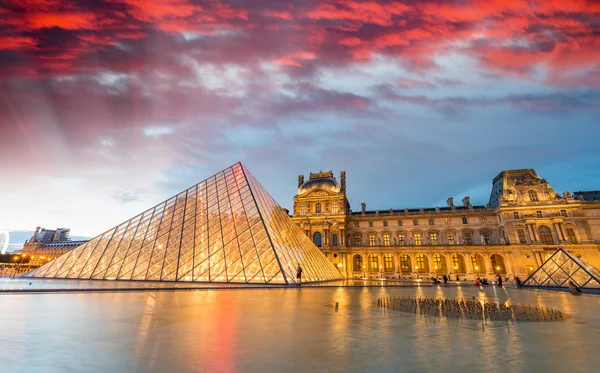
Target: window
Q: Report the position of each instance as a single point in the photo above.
(388, 262)
(515, 215)
(417, 238)
(437, 262)
(370, 224)
(468, 238)
(546, 235)
(318, 207)
(482, 219)
(358, 262)
(538, 214)
(447, 220)
(357, 239)
(433, 238)
(431, 222)
(401, 238)
(475, 263)
(373, 263)
(415, 222)
(458, 264)
(521, 234)
(485, 237)
(356, 224)
(372, 239)
(399, 223)
(464, 220)
(334, 207)
(405, 263)
(571, 235)
(334, 239)
(386, 239)
(302, 209)
(420, 260)
(385, 224)
(533, 197)
(317, 239)
(450, 238)
(563, 212)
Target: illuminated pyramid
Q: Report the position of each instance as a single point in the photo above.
(227, 228)
(561, 268)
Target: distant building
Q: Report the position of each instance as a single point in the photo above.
(45, 245)
(524, 222)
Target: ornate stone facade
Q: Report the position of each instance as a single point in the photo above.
(46, 245)
(524, 222)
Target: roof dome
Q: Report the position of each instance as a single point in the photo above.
(327, 183)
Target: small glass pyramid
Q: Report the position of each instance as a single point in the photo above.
(227, 228)
(561, 267)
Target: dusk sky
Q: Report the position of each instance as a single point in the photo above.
(108, 107)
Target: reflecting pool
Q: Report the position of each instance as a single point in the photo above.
(288, 330)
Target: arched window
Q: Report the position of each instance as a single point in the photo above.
(533, 197)
(405, 265)
(421, 263)
(388, 262)
(498, 264)
(373, 263)
(477, 263)
(458, 263)
(318, 207)
(546, 235)
(571, 234)
(317, 239)
(437, 263)
(358, 262)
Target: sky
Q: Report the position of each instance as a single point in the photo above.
(108, 107)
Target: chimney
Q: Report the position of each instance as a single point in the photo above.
(466, 201)
(364, 207)
(300, 180)
(450, 202)
(343, 181)
(66, 232)
(56, 235)
(37, 231)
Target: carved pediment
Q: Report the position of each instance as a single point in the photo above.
(319, 193)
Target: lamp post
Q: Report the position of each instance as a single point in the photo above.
(417, 268)
(477, 271)
(364, 271)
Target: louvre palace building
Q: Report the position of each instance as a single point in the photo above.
(523, 224)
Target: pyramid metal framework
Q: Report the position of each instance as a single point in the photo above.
(561, 267)
(227, 228)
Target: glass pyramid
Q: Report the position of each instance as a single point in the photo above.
(227, 228)
(562, 267)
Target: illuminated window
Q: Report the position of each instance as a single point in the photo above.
(468, 237)
(497, 264)
(302, 209)
(538, 214)
(447, 220)
(533, 197)
(317, 239)
(437, 262)
(546, 235)
(405, 266)
(318, 207)
(334, 239)
(385, 223)
(399, 223)
(571, 235)
(563, 212)
(334, 207)
(433, 238)
(386, 239)
(417, 238)
(450, 238)
(420, 260)
(357, 238)
(371, 224)
(458, 264)
(373, 263)
(372, 239)
(482, 219)
(431, 222)
(521, 234)
(464, 220)
(401, 238)
(388, 262)
(475, 264)
(515, 215)
(415, 222)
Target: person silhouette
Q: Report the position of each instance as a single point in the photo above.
(299, 275)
